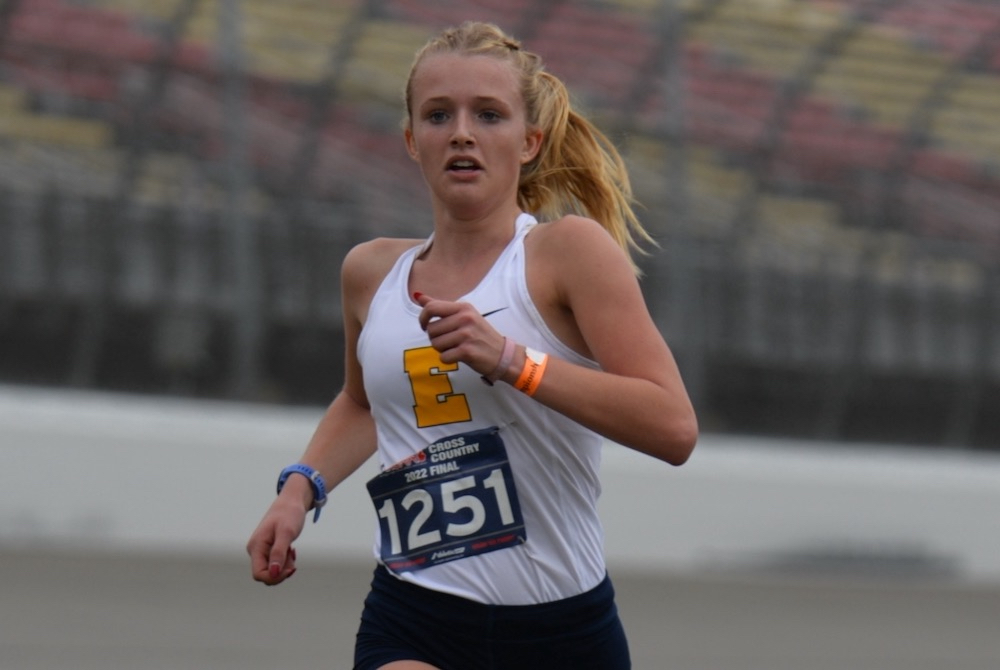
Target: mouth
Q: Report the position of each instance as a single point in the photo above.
(463, 165)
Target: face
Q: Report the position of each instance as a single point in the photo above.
(468, 131)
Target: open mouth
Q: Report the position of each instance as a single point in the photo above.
(463, 165)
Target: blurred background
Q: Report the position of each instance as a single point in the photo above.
(180, 180)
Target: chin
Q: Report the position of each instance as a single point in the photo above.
(465, 198)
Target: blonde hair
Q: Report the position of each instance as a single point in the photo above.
(578, 169)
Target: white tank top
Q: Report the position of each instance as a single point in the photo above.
(554, 461)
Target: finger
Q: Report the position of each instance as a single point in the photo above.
(465, 331)
(440, 326)
(278, 558)
(258, 566)
(274, 568)
(435, 310)
(276, 573)
(259, 550)
(290, 567)
(443, 317)
(425, 314)
(423, 301)
(450, 346)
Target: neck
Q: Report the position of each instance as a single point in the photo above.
(459, 238)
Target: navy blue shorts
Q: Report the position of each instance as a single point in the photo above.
(405, 622)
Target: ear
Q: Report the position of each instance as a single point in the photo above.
(532, 145)
(411, 144)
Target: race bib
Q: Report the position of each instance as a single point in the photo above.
(452, 500)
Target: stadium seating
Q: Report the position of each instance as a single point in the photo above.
(600, 52)
(142, 10)
(55, 130)
(772, 37)
(645, 8)
(884, 78)
(969, 123)
(952, 28)
(287, 41)
(824, 143)
(510, 14)
(17, 123)
(12, 98)
(715, 190)
(83, 31)
(381, 62)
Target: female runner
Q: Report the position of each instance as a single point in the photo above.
(486, 365)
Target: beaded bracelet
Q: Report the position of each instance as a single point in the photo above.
(505, 358)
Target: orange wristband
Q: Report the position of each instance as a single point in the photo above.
(535, 363)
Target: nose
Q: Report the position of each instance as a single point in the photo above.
(462, 133)
(462, 139)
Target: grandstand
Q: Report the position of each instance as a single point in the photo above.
(179, 180)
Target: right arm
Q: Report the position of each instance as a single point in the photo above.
(345, 436)
(343, 441)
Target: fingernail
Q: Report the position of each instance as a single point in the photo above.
(291, 552)
(275, 570)
(417, 295)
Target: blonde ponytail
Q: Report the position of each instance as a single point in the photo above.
(578, 169)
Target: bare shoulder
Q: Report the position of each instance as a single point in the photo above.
(571, 229)
(367, 264)
(373, 259)
(388, 249)
(575, 245)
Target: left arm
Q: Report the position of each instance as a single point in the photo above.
(584, 286)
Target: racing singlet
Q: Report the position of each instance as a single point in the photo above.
(482, 492)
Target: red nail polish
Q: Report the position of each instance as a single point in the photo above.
(417, 295)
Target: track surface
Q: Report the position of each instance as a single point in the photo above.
(83, 611)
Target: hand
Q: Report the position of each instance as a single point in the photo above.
(460, 333)
(272, 557)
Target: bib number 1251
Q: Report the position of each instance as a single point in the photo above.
(457, 500)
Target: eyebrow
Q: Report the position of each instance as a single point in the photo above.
(489, 99)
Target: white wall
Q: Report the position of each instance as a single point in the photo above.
(116, 472)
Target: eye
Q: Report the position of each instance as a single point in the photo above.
(437, 116)
(490, 116)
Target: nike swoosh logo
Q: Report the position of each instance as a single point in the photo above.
(491, 313)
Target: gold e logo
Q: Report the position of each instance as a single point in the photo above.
(434, 398)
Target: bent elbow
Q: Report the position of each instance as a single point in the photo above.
(680, 442)
(669, 436)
